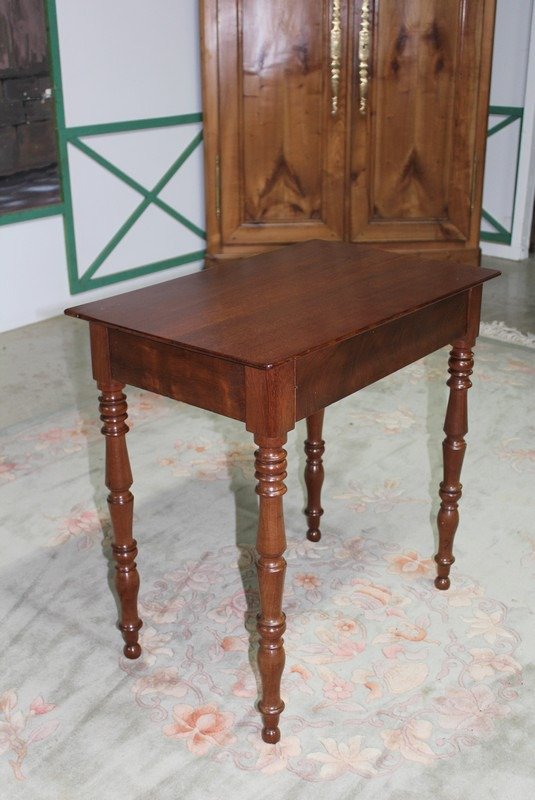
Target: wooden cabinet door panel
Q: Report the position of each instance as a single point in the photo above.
(412, 153)
(282, 154)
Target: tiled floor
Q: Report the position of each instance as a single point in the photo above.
(511, 298)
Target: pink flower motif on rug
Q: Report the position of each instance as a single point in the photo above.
(473, 710)
(458, 596)
(18, 731)
(194, 575)
(231, 610)
(410, 741)
(410, 564)
(488, 625)
(8, 469)
(335, 687)
(310, 583)
(364, 594)
(161, 612)
(402, 678)
(210, 460)
(275, 757)
(163, 681)
(86, 525)
(61, 440)
(154, 644)
(486, 663)
(381, 499)
(342, 757)
(203, 728)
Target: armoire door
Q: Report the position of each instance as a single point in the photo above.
(275, 88)
(362, 120)
(418, 123)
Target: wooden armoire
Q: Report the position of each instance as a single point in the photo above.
(355, 120)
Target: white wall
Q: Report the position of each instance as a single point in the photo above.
(33, 271)
(513, 58)
(121, 60)
(33, 274)
(128, 59)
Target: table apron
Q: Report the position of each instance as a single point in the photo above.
(195, 378)
(322, 376)
(337, 371)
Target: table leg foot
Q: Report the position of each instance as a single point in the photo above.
(461, 363)
(270, 466)
(443, 583)
(271, 735)
(113, 413)
(314, 474)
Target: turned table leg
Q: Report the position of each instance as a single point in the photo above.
(270, 466)
(113, 411)
(314, 449)
(461, 362)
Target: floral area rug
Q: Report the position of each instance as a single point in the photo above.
(392, 689)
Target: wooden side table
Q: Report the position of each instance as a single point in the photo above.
(271, 340)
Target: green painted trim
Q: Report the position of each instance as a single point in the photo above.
(148, 199)
(59, 107)
(53, 39)
(512, 113)
(495, 238)
(500, 235)
(10, 217)
(132, 125)
(494, 222)
(133, 184)
(516, 174)
(84, 284)
(68, 214)
(503, 124)
(509, 111)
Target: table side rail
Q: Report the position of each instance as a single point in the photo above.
(323, 377)
(196, 378)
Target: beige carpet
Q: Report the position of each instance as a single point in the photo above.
(393, 690)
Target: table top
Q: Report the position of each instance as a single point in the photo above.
(267, 309)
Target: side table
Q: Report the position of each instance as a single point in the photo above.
(270, 340)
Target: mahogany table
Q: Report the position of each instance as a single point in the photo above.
(270, 340)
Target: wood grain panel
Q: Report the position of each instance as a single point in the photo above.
(282, 63)
(211, 383)
(414, 164)
(417, 46)
(336, 372)
(407, 174)
(282, 151)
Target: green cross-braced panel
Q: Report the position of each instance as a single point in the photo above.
(90, 274)
(498, 232)
(123, 198)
